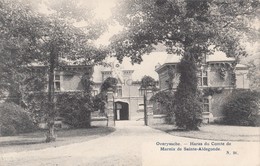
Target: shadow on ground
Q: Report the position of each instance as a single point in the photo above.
(36, 140)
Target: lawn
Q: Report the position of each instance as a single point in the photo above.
(36, 140)
(215, 132)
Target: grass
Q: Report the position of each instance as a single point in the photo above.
(36, 140)
(215, 132)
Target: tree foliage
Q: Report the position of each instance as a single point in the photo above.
(179, 24)
(148, 82)
(109, 83)
(100, 99)
(187, 105)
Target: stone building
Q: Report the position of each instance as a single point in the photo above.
(218, 76)
(128, 98)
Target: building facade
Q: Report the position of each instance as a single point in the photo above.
(217, 74)
(217, 77)
(128, 98)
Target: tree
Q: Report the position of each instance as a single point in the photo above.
(18, 31)
(110, 82)
(253, 62)
(147, 83)
(187, 108)
(50, 41)
(101, 98)
(191, 29)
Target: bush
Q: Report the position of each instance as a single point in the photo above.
(166, 100)
(14, 120)
(37, 105)
(242, 108)
(75, 109)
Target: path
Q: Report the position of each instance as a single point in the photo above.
(131, 144)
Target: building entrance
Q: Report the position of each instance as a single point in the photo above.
(121, 111)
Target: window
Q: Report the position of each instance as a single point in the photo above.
(203, 78)
(119, 91)
(141, 92)
(57, 86)
(57, 77)
(205, 105)
(57, 82)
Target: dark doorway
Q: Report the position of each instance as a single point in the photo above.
(121, 111)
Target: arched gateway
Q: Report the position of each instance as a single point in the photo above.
(121, 111)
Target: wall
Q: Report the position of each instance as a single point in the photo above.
(70, 82)
(132, 91)
(242, 80)
(135, 112)
(164, 77)
(215, 80)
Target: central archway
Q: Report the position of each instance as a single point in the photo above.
(121, 110)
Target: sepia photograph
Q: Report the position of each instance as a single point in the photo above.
(129, 83)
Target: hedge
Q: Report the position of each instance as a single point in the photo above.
(242, 108)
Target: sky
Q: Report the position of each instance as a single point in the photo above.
(103, 12)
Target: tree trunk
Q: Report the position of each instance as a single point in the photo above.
(50, 136)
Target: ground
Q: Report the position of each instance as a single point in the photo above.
(216, 132)
(135, 144)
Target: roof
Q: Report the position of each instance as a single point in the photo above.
(151, 63)
(241, 66)
(173, 58)
(146, 67)
(219, 56)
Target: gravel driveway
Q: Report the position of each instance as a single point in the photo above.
(131, 144)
